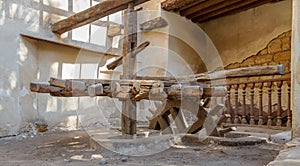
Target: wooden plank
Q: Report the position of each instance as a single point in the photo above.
(155, 23)
(212, 8)
(95, 90)
(119, 61)
(92, 14)
(241, 72)
(43, 87)
(224, 10)
(169, 5)
(197, 8)
(179, 119)
(198, 125)
(129, 43)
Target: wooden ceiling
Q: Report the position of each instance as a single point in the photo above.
(200, 11)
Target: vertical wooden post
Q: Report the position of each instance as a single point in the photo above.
(269, 85)
(252, 122)
(229, 108)
(129, 43)
(260, 110)
(244, 121)
(289, 117)
(236, 95)
(295, 60)
(279, 85)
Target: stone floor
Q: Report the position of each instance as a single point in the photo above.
(290, 156)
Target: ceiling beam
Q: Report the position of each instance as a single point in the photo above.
(191, 5)
(212, 8)
(224, 10)
(199, 7)
(92, 14)
(170, 5)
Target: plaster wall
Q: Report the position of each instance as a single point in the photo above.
(244, 34)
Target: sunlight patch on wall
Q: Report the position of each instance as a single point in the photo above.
(89, 71)
(70, 71)
(13, 80)
(54, 69)
(23, 52)
(51, 105)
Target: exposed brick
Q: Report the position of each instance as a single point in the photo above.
(286, 43)
(263, 59)
(282, 56)
(274, 46)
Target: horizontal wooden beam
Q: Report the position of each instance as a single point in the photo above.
(224, 10)
(212, 8)
(169, 5)
(92, 14)
(200, 7)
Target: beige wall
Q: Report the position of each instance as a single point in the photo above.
(244, 34)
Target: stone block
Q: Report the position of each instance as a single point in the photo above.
(263, 52)
(282, 56)
(263, 59)
(286, 43)
(232, 66)
(248, 62)
(274, 46)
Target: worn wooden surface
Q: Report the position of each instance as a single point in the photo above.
(92, 14)
(135, 51)
(155, 23)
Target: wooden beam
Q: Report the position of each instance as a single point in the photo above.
(212, 8)
(119, 61)
(197, 2)
(200, 7)
(169, 5)
(253, 5)
(224, 10)
(155, 23)
(241, 72)
(92, 14)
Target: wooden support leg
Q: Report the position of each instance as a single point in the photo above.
(179, 119)
(130, 42)
(128, 117)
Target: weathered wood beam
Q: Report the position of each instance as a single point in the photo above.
(92, 14)
(169, 5)
(114, 30)
(241, 72)
(212, 8)
(155, 23)
(222, 74)
(200, 7)
(119, 61)
(253, 5)
(224, 10)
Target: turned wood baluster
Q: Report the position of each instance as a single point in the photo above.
(260, 110)
(229, 108)
(289, 117)
(244, 120)
(279, 85)
(236, 95)
(269, 85)
(251, 86)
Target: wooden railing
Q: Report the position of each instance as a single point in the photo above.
(245, 102)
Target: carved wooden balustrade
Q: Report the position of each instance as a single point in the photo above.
(259, 102)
